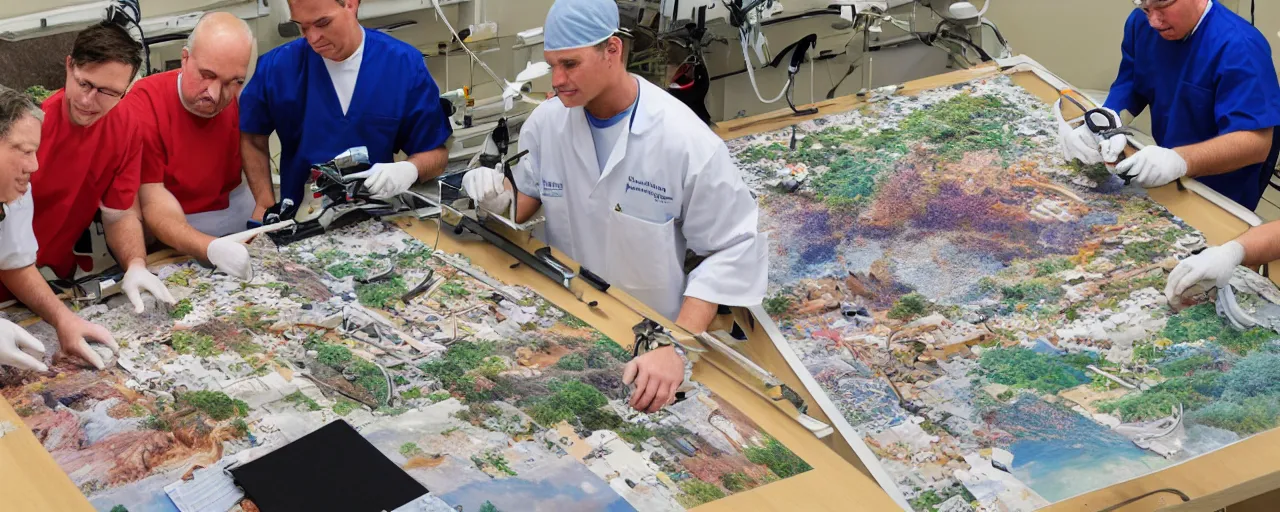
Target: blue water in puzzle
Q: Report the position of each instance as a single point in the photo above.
(1061, 454)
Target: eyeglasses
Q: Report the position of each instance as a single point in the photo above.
(1148, 5)
(89, 87)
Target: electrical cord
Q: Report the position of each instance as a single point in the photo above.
(751, 74)
(999, 36)
(502, 84)
(939, 34)
(1135, 499)
(440, 12)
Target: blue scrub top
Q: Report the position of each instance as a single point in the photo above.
(1218, 81)
(395, 107)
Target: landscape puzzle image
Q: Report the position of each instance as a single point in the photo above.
(989, 318)
(491, 397)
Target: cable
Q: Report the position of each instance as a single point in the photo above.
(751, 74)
(1253, 12)
(502, 84)
(1135, 499)
(996, 30)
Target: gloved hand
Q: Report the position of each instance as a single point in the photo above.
(1082, 144)
(138, 279)
(1153, 166)
(73, 336)
(13, 341)
(389, 180)
(231, 257)
(1210, 268)
(1112, 149)
(487, 187)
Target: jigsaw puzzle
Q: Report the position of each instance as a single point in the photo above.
(490, 396)
(988, 318)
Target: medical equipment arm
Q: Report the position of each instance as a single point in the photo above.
(720, 223)
(1227, 153)
(257, 170)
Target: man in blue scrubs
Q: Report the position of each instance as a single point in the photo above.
(340, 87)
(1215, 100)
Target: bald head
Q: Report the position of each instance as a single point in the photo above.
(215, 63)
(224, 31)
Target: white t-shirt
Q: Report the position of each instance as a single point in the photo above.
(343, 74)
(1207, 8)
(17, 239)
(605, 132)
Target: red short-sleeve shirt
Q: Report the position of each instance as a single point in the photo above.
(81, 170)
(197, 159)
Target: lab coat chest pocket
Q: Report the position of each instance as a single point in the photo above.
(642, 260)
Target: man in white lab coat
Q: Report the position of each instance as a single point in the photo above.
(629, 178)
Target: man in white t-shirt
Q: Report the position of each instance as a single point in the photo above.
(20, 122)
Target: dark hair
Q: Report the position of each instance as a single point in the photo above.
(14, 106)
(106, 42)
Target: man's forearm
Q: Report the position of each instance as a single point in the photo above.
(163, 216)
(696, 314)
(254, 151)
(1226, 153)
(430, 164)
(525, 207)
(30, 288)
(124, 235)
(1261, 244)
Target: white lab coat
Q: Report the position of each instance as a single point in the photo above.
(668, 186)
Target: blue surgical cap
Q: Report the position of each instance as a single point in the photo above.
(579, 24)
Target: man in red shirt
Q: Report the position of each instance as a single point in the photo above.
(190, 125)
(91, 163)
(91, 157)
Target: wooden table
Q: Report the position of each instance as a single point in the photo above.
(1218, 472)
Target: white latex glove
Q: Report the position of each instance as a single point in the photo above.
(14, 340)
(231, 257)
(1210, 268)
(1153, 166)
(390, 180)
(488, 188)
(1112, 149)
(1082, 144)
(137, 280)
